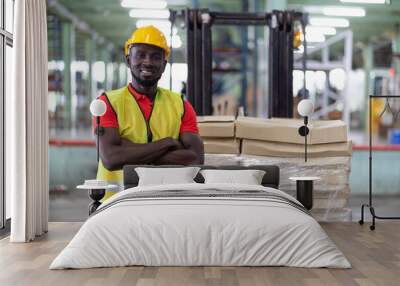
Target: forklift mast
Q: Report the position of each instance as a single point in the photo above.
(198, 23)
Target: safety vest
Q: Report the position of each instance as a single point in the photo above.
(164, 121)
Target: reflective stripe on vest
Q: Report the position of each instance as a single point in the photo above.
(164, 121)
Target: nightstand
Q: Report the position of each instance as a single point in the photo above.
(96, 191)
(304, 190)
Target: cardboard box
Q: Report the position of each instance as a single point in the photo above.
(286, 130)
(216, 126)
(211, 118)
(221, 145)
(274, 149)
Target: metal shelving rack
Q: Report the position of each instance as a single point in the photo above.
(370, 205)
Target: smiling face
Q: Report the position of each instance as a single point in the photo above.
(147, 63)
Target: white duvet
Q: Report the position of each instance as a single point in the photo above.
(200, 231)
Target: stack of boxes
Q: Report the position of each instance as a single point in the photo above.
(277, 142)
(218, 134)
(280, 138)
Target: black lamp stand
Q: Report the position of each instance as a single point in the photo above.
(99, 132)
(303, 131)
(96, 194)
(369, 205)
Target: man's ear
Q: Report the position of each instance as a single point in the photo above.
(165, 64)
(128, 60)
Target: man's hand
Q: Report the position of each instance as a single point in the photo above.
(175, 144)
(115, 152)
(191, 153)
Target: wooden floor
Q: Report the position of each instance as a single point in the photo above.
(375, 257)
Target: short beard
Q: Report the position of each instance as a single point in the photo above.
(146, 82)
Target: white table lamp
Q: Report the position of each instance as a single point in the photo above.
(98, 108)
(305, 109)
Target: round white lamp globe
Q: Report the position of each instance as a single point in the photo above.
(305, 107)
(98, 107)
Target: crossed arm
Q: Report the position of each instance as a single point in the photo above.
(115, 152)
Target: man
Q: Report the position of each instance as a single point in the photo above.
(146, 124)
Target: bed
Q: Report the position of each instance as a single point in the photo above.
(201, 224)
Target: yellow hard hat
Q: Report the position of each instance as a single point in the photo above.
(149, 35)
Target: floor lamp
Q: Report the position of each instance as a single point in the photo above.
(96, 188)
(370, 186)
(304, 185)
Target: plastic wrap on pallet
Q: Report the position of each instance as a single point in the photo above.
(326, 183)
(331, 193)
(324, 215)
(326, 199)
(333, 171)
(323, 161)
(221, 159)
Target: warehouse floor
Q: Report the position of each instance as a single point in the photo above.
(384, 205)
(374, 257)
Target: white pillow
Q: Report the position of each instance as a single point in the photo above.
(164, 176)
(248, 177)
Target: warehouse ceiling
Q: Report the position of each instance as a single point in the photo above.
(381, 21)
(111, 21)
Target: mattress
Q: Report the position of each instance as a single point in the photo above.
(201, 225)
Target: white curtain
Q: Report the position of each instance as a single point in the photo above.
(27, 124)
